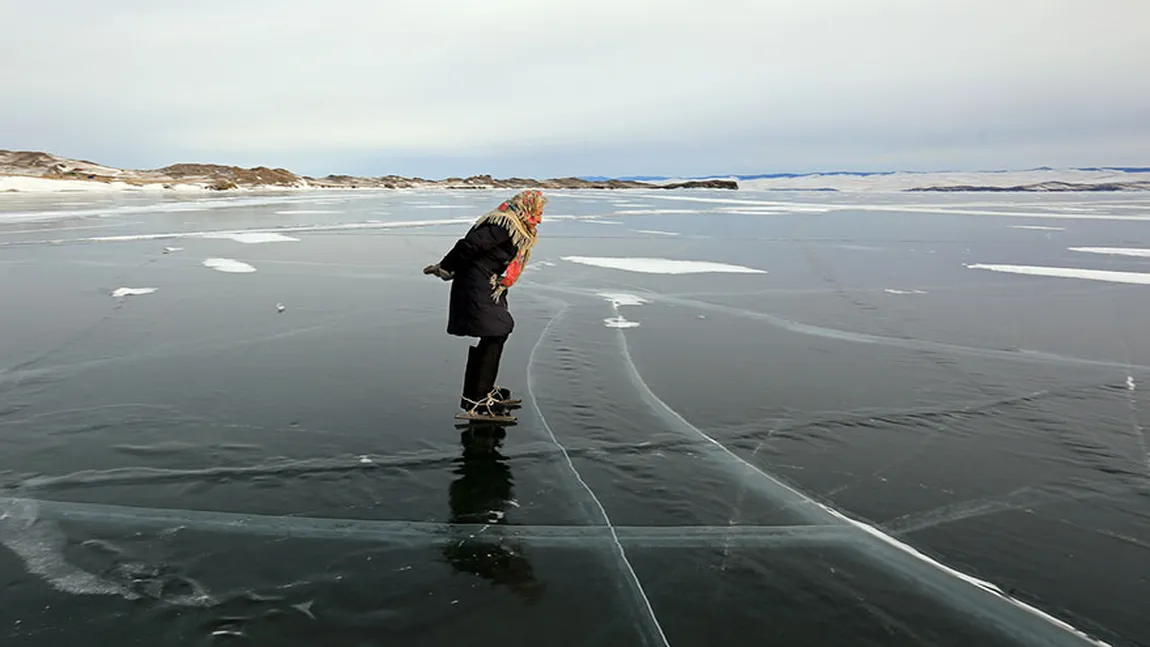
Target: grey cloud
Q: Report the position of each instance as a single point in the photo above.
(595, 86)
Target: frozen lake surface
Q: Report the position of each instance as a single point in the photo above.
(750, 418)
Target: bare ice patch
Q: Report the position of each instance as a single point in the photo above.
(1117, 251)
(120, 293)
(1068, 272)
(228, 265)
(254, 237)
(661, 265)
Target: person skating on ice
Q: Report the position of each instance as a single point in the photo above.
(482, 266)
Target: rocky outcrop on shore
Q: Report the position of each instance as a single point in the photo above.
(223, 178)
(702, 184)
(489, 182)
(229, 177)
(473, 182)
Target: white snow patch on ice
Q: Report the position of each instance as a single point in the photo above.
(128, 292)
(619, 299)
(25, 184)
(1038, 227)
(228, 265)
(661, 265)
(1116, 251)
(1067, 272)
(597, 221)
(299, 228)
(619, 322)
(894, 291)
(652, 212)
(656, 232)
(1130, 382)
(766, 211)
(907, 208)
(254, 237)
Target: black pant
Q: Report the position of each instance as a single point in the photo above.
(482, 369)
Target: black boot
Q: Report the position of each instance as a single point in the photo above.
(479, 396)
(492, 350)
(489, 356)
(470, 395)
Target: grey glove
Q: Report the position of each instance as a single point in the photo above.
(438, 271)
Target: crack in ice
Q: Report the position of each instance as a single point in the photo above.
(1035, 625)
(655, 629)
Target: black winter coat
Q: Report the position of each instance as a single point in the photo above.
(483, 253)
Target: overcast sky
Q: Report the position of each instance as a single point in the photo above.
(590, 87)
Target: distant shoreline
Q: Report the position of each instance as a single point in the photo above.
(38, 172)
(11, 183)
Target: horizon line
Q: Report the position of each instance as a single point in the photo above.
(651, 176)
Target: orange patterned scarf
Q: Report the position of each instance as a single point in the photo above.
(520, 216)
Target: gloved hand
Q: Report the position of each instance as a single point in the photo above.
(438, 271)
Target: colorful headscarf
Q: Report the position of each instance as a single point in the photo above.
(519, 216)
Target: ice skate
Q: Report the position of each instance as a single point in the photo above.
(487, 409)
(502, 395)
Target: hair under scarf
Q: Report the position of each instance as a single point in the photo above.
(520, 216)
